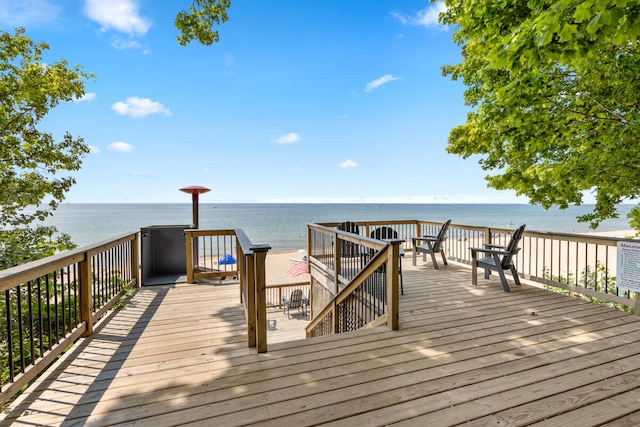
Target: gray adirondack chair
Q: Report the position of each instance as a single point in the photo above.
(497, 258)
(349, 249)
(431, 245)
(388, 233)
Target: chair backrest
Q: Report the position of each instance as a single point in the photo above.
(349, 227)
(512, 247)
(382, 233)
(442, 236)
(296, 298)
(349, 249)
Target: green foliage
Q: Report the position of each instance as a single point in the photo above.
(31, 160)
(596, 279)
(40, 316)
(555, 98)
(197, 23)
(45, 312)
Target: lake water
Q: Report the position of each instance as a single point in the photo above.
(283, 226)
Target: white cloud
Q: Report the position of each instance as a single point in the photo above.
(427, 17)
(379, 82)
(140, 173)
(120, 15)
(118, 43)
(139, 107)
(94, 149)
(288, 138)
(20, 13)
(348, 164)
(120, 147)
(86, 97)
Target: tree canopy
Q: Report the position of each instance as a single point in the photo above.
(31, 161)
(555, 98)
(197, 22)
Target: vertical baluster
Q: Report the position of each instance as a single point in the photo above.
(20, 326)
(49, 316)
(63, 314)
(7, 296)
(31, 331)
(40, 320)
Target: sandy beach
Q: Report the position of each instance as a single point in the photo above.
(277, 264)
(627, 234)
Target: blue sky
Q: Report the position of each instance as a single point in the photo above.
(300, 101)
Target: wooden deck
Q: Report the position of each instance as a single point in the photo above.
(463, 355)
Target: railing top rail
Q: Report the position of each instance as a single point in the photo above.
(345, 235)
(195, 232)
(243, 241)
(376, 222)
(13, 276)
(577, 237)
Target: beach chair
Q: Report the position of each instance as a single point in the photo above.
(297, 300)
(432, 245)
(498, 258)
(388, 233)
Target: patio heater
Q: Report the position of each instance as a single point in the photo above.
(195, 191)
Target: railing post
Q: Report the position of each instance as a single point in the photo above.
(487, 236)
(260, 255)
(418, 231)
(336, 260)
(241, 268)
(135, 261)
(86, 309)
(251, 299)
(189, 242)
(393, 295)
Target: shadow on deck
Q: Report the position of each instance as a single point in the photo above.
(177, 355)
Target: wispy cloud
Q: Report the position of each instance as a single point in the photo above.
(93, 149)
(348, 164)
(24, 12)
(120, 147)
(427, 17)
(379, 82)
(120, 44)
(143, 174)
(86, 97)
(120, 15)
(139, 107)
(288, 138)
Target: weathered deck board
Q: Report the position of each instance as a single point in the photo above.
(463, 355)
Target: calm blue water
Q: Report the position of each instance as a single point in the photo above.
(283, 226)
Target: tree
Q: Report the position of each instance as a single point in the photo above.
(197, 23)
(554, 97)
(31, 161)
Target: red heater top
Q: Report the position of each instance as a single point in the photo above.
(195, 190)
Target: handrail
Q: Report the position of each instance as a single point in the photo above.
(49, 303)
(575, 263)
(206, 246)
(367, 293)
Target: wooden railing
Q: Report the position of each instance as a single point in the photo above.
(581, 264)
(206, 250)
(48, 304)
(275, 292)
(354, 281)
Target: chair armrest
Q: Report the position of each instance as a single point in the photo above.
(492, 246)
(488, 251)
(424, 239)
